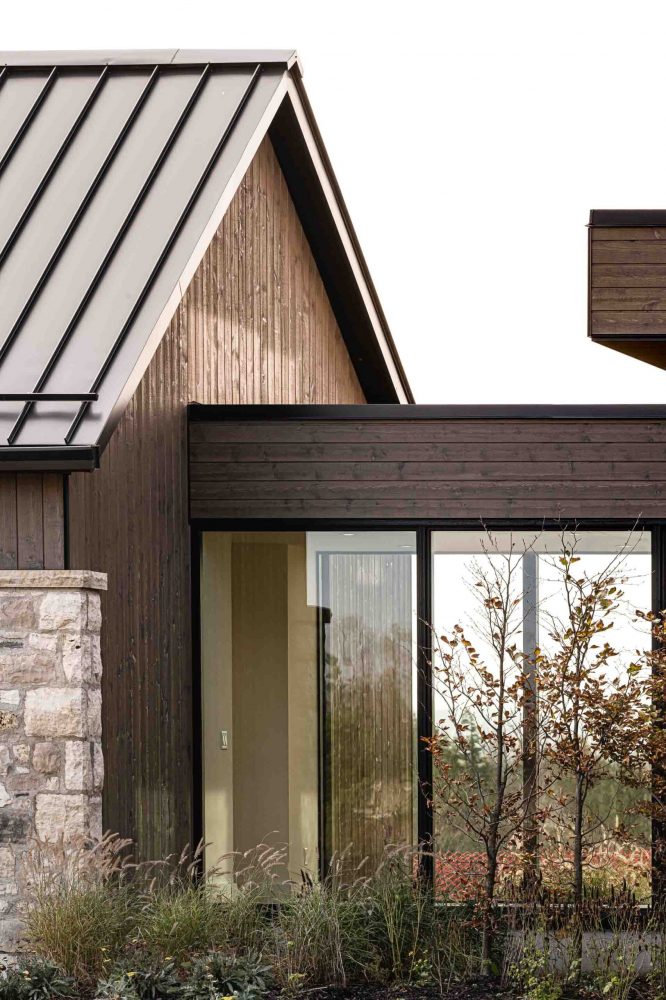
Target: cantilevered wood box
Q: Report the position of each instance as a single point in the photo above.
(627, 283)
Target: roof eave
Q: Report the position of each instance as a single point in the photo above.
(37, 458)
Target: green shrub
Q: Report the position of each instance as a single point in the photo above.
(36, 980)
(243, 976)
(156, 983)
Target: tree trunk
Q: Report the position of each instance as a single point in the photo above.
(487, 934)
(577, 929)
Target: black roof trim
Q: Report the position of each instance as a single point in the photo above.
(615, 218)
(145, 57)
(397, 411)
(38, 459)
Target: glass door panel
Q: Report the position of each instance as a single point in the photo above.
(366, 597)
(526, 566)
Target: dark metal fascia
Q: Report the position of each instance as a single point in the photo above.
(36, 458)
(631, 217)
(328, 167)
(398, 411)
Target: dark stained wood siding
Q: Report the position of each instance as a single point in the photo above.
(32, 520)
(416, 468)
(255, 325)
(627, 294)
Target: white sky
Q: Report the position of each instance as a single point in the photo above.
(470, 140)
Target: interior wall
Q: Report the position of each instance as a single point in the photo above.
(259, 687)
(255, 326)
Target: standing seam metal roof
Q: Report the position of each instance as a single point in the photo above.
(113, 169)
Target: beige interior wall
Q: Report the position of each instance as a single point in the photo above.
(216, 681)
(259, 684)
(303, 719)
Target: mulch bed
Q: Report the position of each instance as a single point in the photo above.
(488, 989)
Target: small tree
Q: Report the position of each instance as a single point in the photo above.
(478, 746)
(595, 710)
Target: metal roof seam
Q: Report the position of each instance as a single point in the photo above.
(115, 172)
(27, 121)
(97, 277)
(148, 284)
(80, 118)
(78, 215)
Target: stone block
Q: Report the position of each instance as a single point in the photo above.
(94, 713)
(21, 753)
(78, 766)
(11, 934)
(19, 610)
(98, 766)
(5, 797)
(76, 658)
(10, 699)
(69, 817)
(63, 609)
(47, 758)
(7, 864)
(8, 720)
(94, 622)
(55, 712)
(27, 666)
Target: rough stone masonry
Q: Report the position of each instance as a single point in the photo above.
(51, 768)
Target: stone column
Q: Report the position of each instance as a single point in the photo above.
(51, 768)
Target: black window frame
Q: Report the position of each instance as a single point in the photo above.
(424, 607)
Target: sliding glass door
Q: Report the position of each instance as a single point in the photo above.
(308, 710)
(311, 701)
(527, 574)
(366, 597)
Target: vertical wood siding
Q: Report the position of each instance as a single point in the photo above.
(255, 326)
(32, 520)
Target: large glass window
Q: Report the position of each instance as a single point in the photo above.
(526, 570)
(366, 595)
(307, 682)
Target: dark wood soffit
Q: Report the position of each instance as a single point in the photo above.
(328, 463)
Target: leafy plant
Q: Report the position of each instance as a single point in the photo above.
(246, 977)
(157, 983)
(36, 980)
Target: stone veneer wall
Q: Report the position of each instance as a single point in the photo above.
(51, 768)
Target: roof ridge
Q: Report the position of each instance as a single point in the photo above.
(124, 57)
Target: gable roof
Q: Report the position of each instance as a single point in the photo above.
(115, 172)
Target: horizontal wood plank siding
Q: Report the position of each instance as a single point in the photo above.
(255, 326)
(627, 295)
(414, 468)
(32, 522)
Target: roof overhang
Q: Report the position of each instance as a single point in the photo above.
(264, 94)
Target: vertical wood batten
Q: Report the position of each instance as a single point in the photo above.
(236, 337)
(32, 520)
(8, 525)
